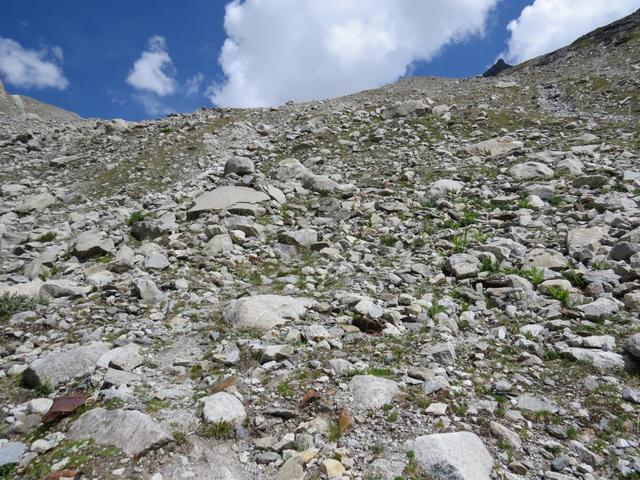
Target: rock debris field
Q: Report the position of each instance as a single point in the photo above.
(438, 279)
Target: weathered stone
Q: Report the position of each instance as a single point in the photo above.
(11, 453)
(530, 170)
(495, 147)
(148, 292)
(92, 244)
(452, 456)
(61, 366)
(129, 430)
(580, 239)
(222, 407)
(240, 166)
(265, 311)
(224, 198)
(372, 392)
(36, 203)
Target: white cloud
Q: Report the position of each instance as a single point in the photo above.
(153, 71)
(282, 50)
(547, 25)
(153, 105)
(31, 68)
(194, 83)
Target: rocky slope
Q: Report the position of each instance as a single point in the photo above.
(435, 279)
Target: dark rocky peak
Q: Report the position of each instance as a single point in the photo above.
(497, 68)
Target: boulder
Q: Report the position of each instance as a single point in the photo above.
(131, 431)
(240, 166)
(64, 365)
(92, 244)
(452, 456)
(149, 292)
(580, 239)
(494, 147)
(35, 203)
(530, 170)
(265, 311)
(224, 198)
(222, 407)
(372, 392)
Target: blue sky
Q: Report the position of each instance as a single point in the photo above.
(83, 53)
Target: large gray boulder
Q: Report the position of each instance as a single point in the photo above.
(405, 109)
(35, 203)
(494, 147)
(530, 170)
(224, 198)
(149, 292)
(61, 366)
(452, 456)
(265, 311)
(92, 244)
(240, 166)
(632, 345)
(63, 288)
(11, 453)
(222, 407)
(372, 392)
(580, 239)
(131, 431)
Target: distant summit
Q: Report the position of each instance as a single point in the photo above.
(26, 108)
(499, 67)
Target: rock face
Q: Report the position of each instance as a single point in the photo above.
(131, 431)
(65, 365)
(452, 456)
(265, 312)
(223, 198)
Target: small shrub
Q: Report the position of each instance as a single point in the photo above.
(468, 218)
(135, 217)
(460, 242)
(489, 265)
(379, 372)
(43, 390)
(47, 237)
(285, 389)
(11, 303)
(179, 437)
(576, 278)
(220, 430)
(534, 275)
(560, 294)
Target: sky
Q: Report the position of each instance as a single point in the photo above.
(145, 58)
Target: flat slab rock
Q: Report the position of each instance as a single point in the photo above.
(11, 453)
(370, 391)
(131, 431)
(223, 198)
(61, 366)
(265, 311)
(452, 456)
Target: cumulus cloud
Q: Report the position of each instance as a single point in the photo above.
(194, 83)
(153, 105)
(153, 71)
(547, 25)
(31, 68)
(299, 50)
